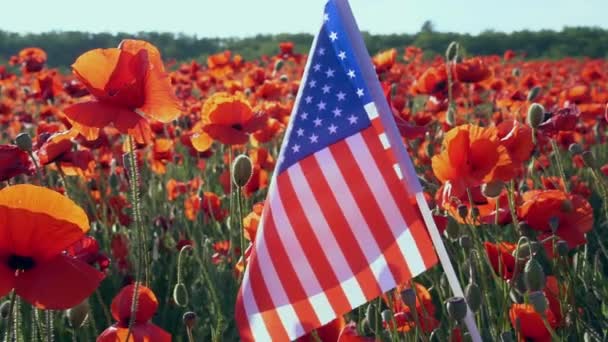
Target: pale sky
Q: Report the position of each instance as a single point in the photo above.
(239, 18)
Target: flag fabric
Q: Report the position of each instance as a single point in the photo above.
(339, 227)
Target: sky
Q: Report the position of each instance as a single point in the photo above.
(241, 18)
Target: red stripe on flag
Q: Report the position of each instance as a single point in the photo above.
(242, 320)
(409, 209)
(342, 231)
(287, 274)
(374, 217)
(311, 246)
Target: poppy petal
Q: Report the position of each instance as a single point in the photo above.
(201, 141)
(92, 114)
(147, 304)
(226, 134)
(95, 68)
(160, 101)
(58, 284)
(139, 333)
(134, 124)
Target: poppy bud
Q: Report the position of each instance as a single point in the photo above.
(247, 92)
(242, 170)
(278, 65)
(457, 308)
(554, 223)
(507, 336)
(475, 212)
(452, 51)
(284, 78)
(515, 72)
(463, 211)
(473, 296)
(24, 142)
(538, 301)
(189, 319)
(436, 336)
(430, 149)
(371, 317)
(536, 114)
(524, 229)
(492, 189)
(526, 250)
(5, 309)
(533, 93)
(450, 116)
(589, 159)
(562, 248)
(180, 294)
(78, 314)
(465, 242)
(408, 297)
(452, 228)
(575, 149)
(387, 315)
(534, 276)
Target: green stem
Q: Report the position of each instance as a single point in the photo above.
(38, 172)
(560, 166)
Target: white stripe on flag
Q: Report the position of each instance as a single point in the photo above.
(354, 217)
(256, 321)
(389, 207)
(371, 110)
(324, 234)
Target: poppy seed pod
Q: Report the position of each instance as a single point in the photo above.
(538, 301)
(457, 308)
(180, 294)
(189, 319)
(492, 189)
(278, 65)
(536, 114)
(408, 297)
(463, 211)
(589, 159)
(78, 314)
(24, 142)
(387, 315)
(575, 149)
(473, 296)
(533, 94)
(534, 276)
(242, 170)
(5, 309)
(284, 78)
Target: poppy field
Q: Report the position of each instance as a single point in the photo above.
(131, 190)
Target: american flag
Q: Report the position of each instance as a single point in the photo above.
(338, 228)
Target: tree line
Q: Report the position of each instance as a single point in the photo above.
(64, 47)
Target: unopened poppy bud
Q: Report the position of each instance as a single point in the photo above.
(538, 301)
(465, 242)
(473, 296)
(536, 114)
(533, 93)
(463, 211)
(554, 223)
(452, 51)
(371, 316)
(430, 149)
(284, 78)
(475, 212)
(457, 308)
(24, 142)
(575, 149)
(408, 297)
(507, 336)
(450, 116)
(524, 229)
(589, 159)
(189, 319)
(562, 248)
(5, 309)
(525, 251)
(387, 315)
(78, 314)
(452, 228)
(534, 276)
(515, 72)
(436, 336)
(278, 65)
(492, 189)
(242, 170)
(180, 294)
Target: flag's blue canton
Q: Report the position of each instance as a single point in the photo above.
(331, 106)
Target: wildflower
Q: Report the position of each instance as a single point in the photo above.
(14, 162)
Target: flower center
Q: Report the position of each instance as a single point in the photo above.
(237, 127)
(20, 263)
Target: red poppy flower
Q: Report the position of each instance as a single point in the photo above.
(329, 332)
(142, 329)
(230, 119)
(14, 162)
(530, 322)
(129, 85)
(572, 213)
(472, 71)
(385, 60)
(425, 310)
(36, 226)
(501, 258)
(32, 59)
(563, 119)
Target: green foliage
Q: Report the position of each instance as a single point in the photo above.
(64, 47)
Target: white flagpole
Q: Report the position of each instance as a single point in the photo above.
(409, 174)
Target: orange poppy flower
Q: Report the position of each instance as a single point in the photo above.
(501, 258)
(433, 81)
(385, 60)
(517, 138)
(14, 162)
(530, 322)
(229, 119)
(129, 85)
(471, 156)
(425, 309)
(472, 71)
(572, 213)
(31, 252)
(142, 329)
(32, 59)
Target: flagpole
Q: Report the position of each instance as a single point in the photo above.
(408, 171)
